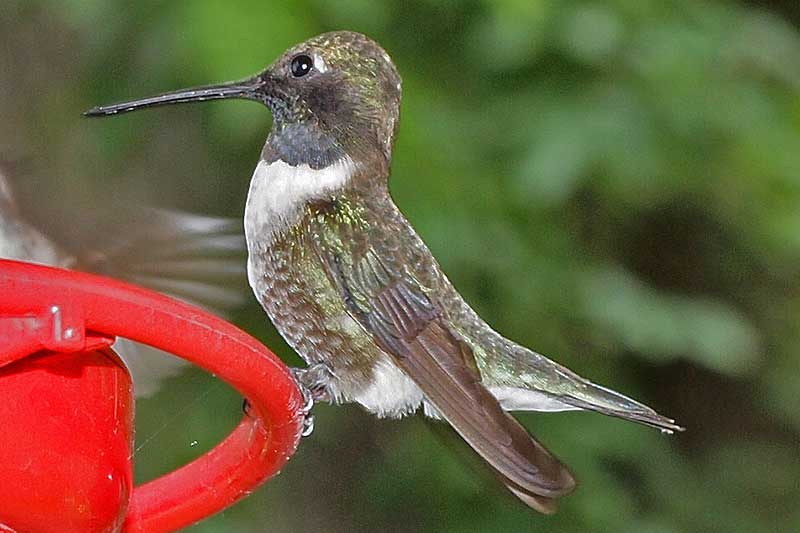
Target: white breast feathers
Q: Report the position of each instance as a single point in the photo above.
(278, 191)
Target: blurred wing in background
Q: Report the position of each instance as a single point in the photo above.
(19, 239)
(198, 259)
(195, 258)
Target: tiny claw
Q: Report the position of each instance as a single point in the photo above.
(308, 401)
(247, 407)
(315, 379)
(308, 404)
(308, 426)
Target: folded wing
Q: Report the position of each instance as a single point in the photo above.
(409, 327)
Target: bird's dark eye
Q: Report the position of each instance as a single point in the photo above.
(301, 65)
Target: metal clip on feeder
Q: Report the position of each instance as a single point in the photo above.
(66, 406)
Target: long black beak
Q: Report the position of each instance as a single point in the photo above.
(250, 89)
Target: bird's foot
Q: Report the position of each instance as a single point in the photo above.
(308, 418)
(313, 383)
(308, 404)
(315, 379)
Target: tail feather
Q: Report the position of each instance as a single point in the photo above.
(611, 403)
(540, 503)
(547, 386)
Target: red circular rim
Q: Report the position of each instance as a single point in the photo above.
(257, 448)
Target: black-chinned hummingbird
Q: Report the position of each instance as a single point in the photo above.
(353, 289)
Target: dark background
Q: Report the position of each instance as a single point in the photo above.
(612, 183)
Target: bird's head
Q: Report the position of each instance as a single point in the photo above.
(333, 95)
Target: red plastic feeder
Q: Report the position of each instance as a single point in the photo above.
(66, 414)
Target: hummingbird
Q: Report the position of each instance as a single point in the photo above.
(192, 257)
(354, 290)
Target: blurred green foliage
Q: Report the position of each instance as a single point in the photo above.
(613, 183)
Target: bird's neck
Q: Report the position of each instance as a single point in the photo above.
(302, 143)
(310, 143)
(301, 165)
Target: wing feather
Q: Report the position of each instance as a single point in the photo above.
(406, 324)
